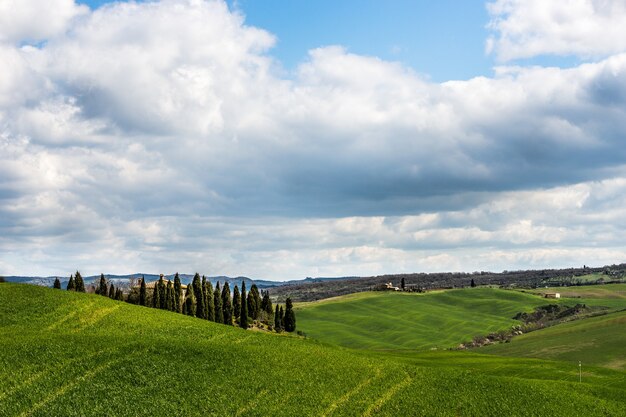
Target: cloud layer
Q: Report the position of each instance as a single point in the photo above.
(162, 136)
(584, 28)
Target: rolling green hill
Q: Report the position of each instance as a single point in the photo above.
(598, 341)
(438, 319)
(386, 320)
(70, 354)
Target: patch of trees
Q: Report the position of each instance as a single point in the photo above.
(311, 291)
(76, 283)
(199, 299)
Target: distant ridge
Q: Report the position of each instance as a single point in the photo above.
(124, 281)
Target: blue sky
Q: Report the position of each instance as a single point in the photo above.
(311, 138)
(440, 39)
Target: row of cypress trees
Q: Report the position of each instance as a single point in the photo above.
(201, 300)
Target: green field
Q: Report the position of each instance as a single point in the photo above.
(386, 320)
(438, 319)
(598, 341)
(73, 354)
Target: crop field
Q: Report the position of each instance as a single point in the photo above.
(71, 354)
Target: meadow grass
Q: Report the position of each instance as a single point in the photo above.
(72, 354)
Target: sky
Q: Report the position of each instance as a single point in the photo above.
(285, 139)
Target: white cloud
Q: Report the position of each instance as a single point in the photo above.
(158, 135)
(585, 28)
(36, 20)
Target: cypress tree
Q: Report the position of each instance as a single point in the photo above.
(199, 296)
(209, 303)
(227, 306)
(290, 316)
(170, 296)
(281, 318)
(190, 301)
(254, 302)
(155, 296)
(472, 284)
(177, 292)
(80, 284)
(267, 303)
(243, 318)
(112, 291)
(119, 295)
(102, 287)
(142, 292)
(277, 323)
(402, 284)
(217, 300)
(71, 285)
(57, 284)
(162, 293)
(236, 303)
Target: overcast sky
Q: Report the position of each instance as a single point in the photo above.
(285, 139)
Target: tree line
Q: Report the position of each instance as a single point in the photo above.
(201, 300)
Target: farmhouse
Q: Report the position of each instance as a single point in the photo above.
(552, 295)
(389, 286)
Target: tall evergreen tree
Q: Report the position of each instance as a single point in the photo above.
(199, 296)
(57, 284)
(217, 300)
(190, 301)
(119, 295)
(142, 292)
(402, 284)
(278, 325)
(80, 284)
(71, 285)
(156, 296)
(236, 303)
(254, 302)
(170, 296)
(209, 303)
(266, 303)
(112, 291)
(472, 284)
(227, 305)
(281, 318)
(290, 317)
(243, 318)
(178, 290)
(162, 293)
(102, 286)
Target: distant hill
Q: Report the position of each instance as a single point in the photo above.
(320, 289)
(124, 281)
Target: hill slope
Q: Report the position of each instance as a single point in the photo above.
(386, 320)
(599, 341)
(79, 354)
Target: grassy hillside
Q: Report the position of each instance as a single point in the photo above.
(386, 320)
(599, 341)
(66, 354)
(611, 294)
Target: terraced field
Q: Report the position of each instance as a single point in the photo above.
(69, 354)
